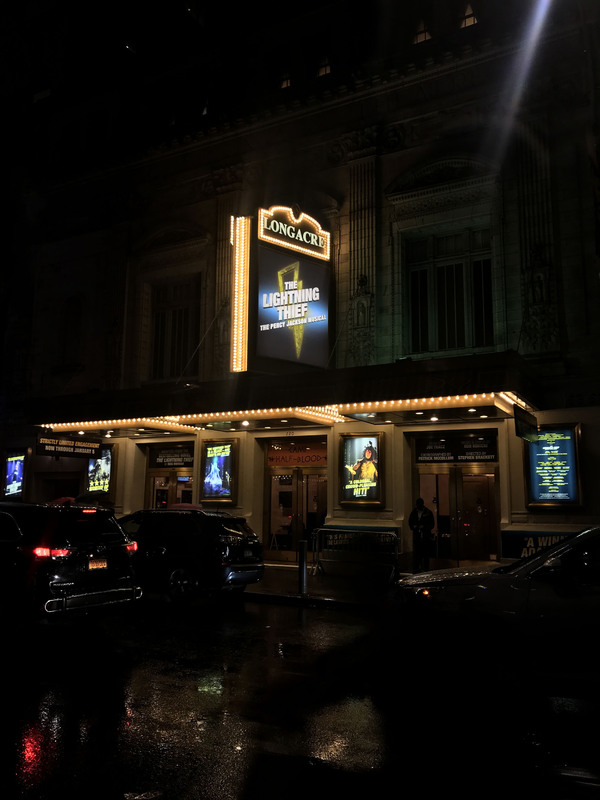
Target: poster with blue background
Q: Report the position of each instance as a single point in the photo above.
(293, 308)
(553, 467)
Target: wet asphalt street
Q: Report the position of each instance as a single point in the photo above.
(252, 699)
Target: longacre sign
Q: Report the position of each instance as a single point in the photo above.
(303, 234)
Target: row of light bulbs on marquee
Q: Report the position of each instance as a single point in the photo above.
(329, 414)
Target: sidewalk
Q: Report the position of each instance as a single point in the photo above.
(284, 583)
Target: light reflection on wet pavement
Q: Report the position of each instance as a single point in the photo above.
(140, 706)
(261, 700)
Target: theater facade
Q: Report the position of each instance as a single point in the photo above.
(373, 291)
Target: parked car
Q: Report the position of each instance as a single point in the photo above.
(186, 552)
(554, 591)
(56, 558)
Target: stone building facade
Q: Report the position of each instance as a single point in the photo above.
(450, 150)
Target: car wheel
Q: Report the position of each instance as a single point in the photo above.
(181, 585)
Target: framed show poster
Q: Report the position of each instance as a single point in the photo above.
(219, 470)
(100, 470)
(14, 472)
(553, 466)
(361, 465)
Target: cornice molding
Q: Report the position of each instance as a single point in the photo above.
(431, 197)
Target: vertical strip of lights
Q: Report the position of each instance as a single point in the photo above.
(240, 239)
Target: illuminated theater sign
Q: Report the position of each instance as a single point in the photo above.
(554, 466)
(303, 234)
(293, 288)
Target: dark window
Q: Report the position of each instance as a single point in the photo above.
(483, 323)
(175, 330)
(450, 306)
(419, 317)
(450, 291)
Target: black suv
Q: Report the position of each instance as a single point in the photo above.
(182, 553)
(60, 558)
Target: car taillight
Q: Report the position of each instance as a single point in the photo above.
(49, 552)
(132, 547)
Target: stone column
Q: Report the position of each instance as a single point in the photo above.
(363, 249)
(540, 327)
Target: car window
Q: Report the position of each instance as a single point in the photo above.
(144, 529)
(9, 530)
(75, 525)
(231, 524)
(515, 566)
(239, 526)
(131, 525)
(189, 525)
(583, 560)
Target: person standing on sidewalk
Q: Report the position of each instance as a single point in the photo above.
(421, 522)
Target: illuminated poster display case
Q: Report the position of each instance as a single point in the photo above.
(101, 469)
(14, 473)
(219, 471)
(552, 467)
(361, 469)
(292, 322)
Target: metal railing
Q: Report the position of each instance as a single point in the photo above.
(359, 550)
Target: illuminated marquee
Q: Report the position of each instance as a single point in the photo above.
(292, 313)
(240, 240)
(279, 226)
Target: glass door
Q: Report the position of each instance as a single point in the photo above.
(166, 488)
(462, 500)
(297, 505)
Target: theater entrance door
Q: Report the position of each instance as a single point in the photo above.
(463, 501)
(166, 488)
(297, 505)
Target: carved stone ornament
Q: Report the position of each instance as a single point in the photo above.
(443, 185)
(357, 144)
